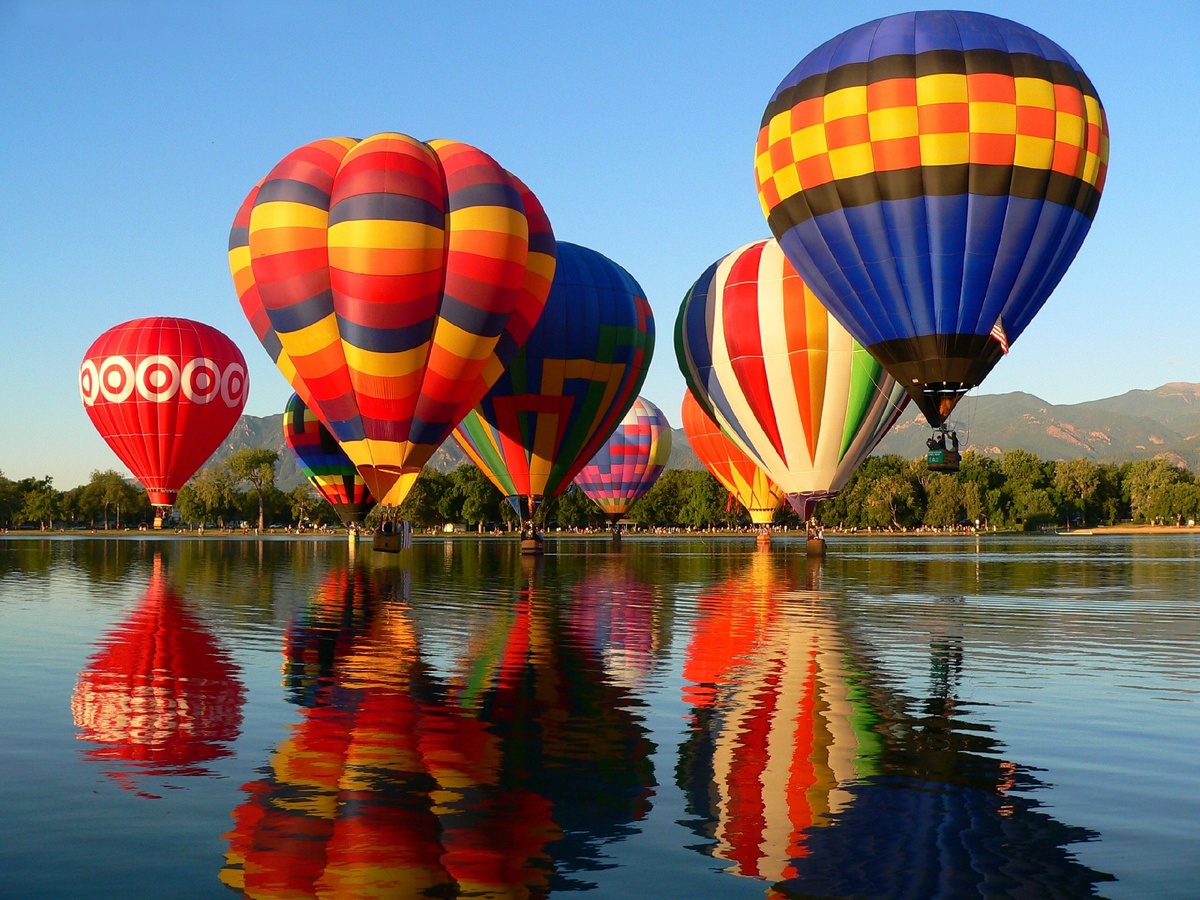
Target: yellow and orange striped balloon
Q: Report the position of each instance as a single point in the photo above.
(391, 281)
(736, 471)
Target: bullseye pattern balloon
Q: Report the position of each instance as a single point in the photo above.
(629, 462)
(569, 386)
(780, 376)
(163, 393)
(324, 463)
(736, 471)
(391, 281)
(160, 695)
(931, 175)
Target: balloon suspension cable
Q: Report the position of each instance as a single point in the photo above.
(970, 404)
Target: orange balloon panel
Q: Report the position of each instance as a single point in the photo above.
(736, 471)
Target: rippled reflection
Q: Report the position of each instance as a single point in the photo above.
(779, 728)
(504, 777)
(806, 768)
(160, 697)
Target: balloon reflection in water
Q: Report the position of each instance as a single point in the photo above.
(161, 696)
(615, 616)
(778, 727)
(502, 779)
(806, 767)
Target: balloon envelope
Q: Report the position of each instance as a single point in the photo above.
(324, 463)
(737, 472)
(931, 175)
(630, 461)
(569, 386)
(391, 281)
(163, 393)
(780, 376)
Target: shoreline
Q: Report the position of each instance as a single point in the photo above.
(237, 535)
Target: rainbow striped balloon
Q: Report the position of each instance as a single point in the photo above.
(737, 472)
(780, 376)
(324, 463)
(630, 461)
(391, 281)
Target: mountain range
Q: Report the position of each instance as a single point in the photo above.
(1164, 422)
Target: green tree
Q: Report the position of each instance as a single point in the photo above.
(10, 499)
(210, 494)
(945, 501)
(576, 509)
(1078, 479)
(474, 498)
(891, 502)
(422, 506)
(303, 500)
(1144, 479)
(1177, 503)
(255, 466)
(705, 501)
(662, 504)
(39, 504)
(863, 504)
(105, 490)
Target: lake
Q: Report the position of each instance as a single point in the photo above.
(679, 718)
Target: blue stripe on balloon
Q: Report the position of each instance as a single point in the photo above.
(1019, 251)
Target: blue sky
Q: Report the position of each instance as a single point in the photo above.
(130, 132)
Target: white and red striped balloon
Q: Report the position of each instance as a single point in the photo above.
(163, 393)
(782, 378)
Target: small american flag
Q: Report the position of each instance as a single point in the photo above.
(998, 333)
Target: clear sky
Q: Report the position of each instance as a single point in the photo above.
(130, 133)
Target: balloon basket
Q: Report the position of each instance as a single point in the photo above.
(386, 543)
(616, 540)
(816, 547)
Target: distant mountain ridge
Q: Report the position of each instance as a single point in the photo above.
(1141, 424)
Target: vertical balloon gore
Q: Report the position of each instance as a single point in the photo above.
(163, 393)
(391, 281)
(931, 176)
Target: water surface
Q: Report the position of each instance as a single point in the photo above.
(682, 718)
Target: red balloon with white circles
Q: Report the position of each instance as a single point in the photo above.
(163, 393)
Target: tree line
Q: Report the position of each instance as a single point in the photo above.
(1017, 490)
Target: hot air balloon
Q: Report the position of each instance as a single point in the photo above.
(780, 376)
(391, 281)
(629, 462)
(325, 464)
(163, 393)
(569, 386)
(736, 471)
(931, 175)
